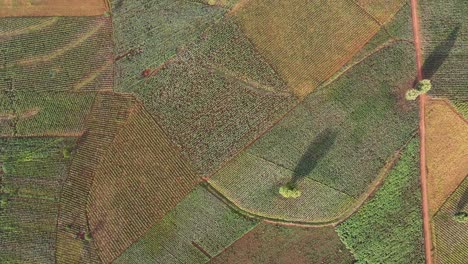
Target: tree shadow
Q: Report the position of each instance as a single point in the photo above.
(314, 153)
(463, 200)
(439, 55)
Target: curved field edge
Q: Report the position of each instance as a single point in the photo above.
(391, 220)
(43, 8)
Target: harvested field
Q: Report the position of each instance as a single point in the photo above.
(147, 33)
(57, 54)
(382, 10)
(252, 184)
(299, 37)
(35, 8)
(444, 30)
(286, 245)
(32, 171)
(447, 151)
(215, 97)
(451, 237)
(391, 219)
(109, 113)
(42, 114)
(198, 228)
(140, 179)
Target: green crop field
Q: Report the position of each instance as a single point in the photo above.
(147, 33)
(216, 96)
(71, 53)
(286, 245)
(388, 227)
(31, 174)
(198, 227)
(450, 236)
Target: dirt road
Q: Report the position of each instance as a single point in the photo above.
(422, 136)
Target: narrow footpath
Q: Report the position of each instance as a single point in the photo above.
(422, 137)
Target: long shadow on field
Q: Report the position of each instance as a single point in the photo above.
(463, 200)
(439, 54)
(315, 151)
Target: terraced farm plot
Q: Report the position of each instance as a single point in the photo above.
(147, 33)
(286, 245)
(252, 184)
(216, 96)
(382, 10)
(109, 113)
(306, 41)
(32, 172)
(24, 8)
(447, 151)
(444, 30)
(360, 114)
(451, 237)
(388, 227)
(140, 179)
(198, 228)
(57, 54)
(43, 114)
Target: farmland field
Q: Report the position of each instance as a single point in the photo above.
(451, 237)
(108, 113)
(390, 222)
(31, 174)
(216, 96)
(444, 29)
(286, 245)
(198, 228)
(140, 178)
(24, 8)
(447, 151)
(382, 10)
(66, 53)
(299, 37)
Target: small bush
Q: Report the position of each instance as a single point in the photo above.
(88, 237)
(424, 86)
(289, 191)
(412, 94)
(461, 217)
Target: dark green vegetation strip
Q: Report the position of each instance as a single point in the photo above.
(148, 32)
(71, 53)
(388, 228)
(444, 29)
(215, 96)
(32, 171)
(108, 114)
(198, 227)
(451, 236)
(287, 245)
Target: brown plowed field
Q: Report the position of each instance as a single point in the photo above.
(17, 8)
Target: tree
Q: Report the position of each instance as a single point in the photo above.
(412, 94)
(461, 217)
(424, 86)
(289, 191)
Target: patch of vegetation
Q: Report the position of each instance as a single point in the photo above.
(461, 217)
(423, 87)
(388, 227)
(289, 191)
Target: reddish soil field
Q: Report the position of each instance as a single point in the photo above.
(16, 8)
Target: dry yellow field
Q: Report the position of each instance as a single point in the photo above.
(447, 151)
(306, 41)
(382, 10)
(16, 8)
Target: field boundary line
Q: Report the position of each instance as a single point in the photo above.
(446, 200)
(369, 14)
(92, 76)
(450, 105)
(30, 29)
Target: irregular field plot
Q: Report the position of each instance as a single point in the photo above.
(32, 172)
(451, 237)
(444, 28)
(447, 151)
(216, 96)
(108, 114)
(148, 32)
(306, 41)
(56, 54)
(253, 183)
(382, 10)
(141, 177)
(40, 114)
(52, 8)
(199, 226)
(286, 245)
(388, 227)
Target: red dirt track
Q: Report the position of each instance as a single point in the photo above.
(422, 135)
